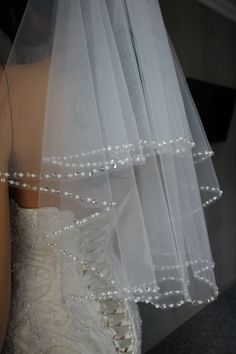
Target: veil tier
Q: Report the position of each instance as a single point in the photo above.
(113, 136)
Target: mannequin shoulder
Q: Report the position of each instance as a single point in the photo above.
(27, 75)
(27, 87)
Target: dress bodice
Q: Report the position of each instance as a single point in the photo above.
(39, 321)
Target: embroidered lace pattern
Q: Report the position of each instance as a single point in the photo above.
(39, 321)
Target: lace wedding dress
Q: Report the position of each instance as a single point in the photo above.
(39, 321)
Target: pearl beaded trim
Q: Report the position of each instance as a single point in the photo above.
(201, 156)
(93, 168)
(209, 189)
(122, 148)
(65, 194)
(145, 292)
(149, 293)
(105, 205)
(93, 202)
(96, 167)
(148, 300)
(139, 153)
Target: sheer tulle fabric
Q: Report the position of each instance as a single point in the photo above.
(122, 147)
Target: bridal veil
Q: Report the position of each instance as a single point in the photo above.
(121, 146)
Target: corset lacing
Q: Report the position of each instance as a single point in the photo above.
(115, 311)
(116, 317)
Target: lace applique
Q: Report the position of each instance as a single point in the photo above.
(39, 321)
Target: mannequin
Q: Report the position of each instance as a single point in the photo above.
(5, 250)
(27, 108)
(21, 127)
(20, 104)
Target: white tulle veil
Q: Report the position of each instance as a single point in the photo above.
(122, 150)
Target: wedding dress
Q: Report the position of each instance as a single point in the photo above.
(39, 321)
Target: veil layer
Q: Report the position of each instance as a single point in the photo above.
(103, 125)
